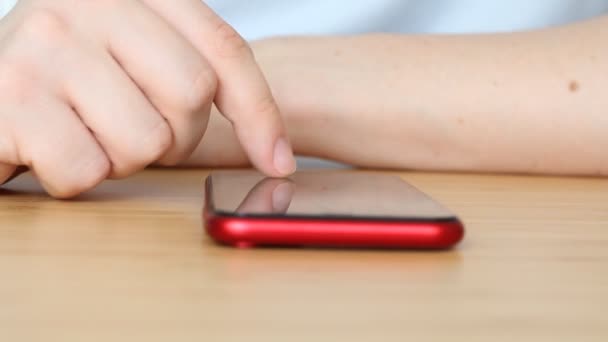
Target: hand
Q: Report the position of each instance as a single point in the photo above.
(311, 82)
(98, 89)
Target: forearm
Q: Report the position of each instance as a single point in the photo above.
(522, 102)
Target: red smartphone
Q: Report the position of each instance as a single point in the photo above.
(329, 208)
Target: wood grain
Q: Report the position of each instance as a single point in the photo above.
(130, 261)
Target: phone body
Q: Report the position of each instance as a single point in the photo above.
(326, 208)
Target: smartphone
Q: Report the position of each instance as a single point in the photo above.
(328, 208)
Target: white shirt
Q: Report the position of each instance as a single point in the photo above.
(262, 18)
(256, 19)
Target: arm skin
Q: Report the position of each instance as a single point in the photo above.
(527, 102)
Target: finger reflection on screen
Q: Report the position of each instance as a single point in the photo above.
(270, 195)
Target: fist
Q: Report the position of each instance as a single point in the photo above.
(100, 89)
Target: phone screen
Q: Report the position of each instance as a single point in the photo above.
(321, 194)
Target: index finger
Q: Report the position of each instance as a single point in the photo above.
(243, 95)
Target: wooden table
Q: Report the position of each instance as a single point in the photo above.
(130, 261)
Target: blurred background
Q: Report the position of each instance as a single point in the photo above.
(257, 19)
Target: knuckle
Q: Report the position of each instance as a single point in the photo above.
(264, 110)
(89, 174)
(202, 91)
(229, 41)
(266, 106)
(94, 172)
(158, 141)
(144, 152)
(44, 25)
(17, 82)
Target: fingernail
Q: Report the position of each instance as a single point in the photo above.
(281, 197)
(284, 161)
